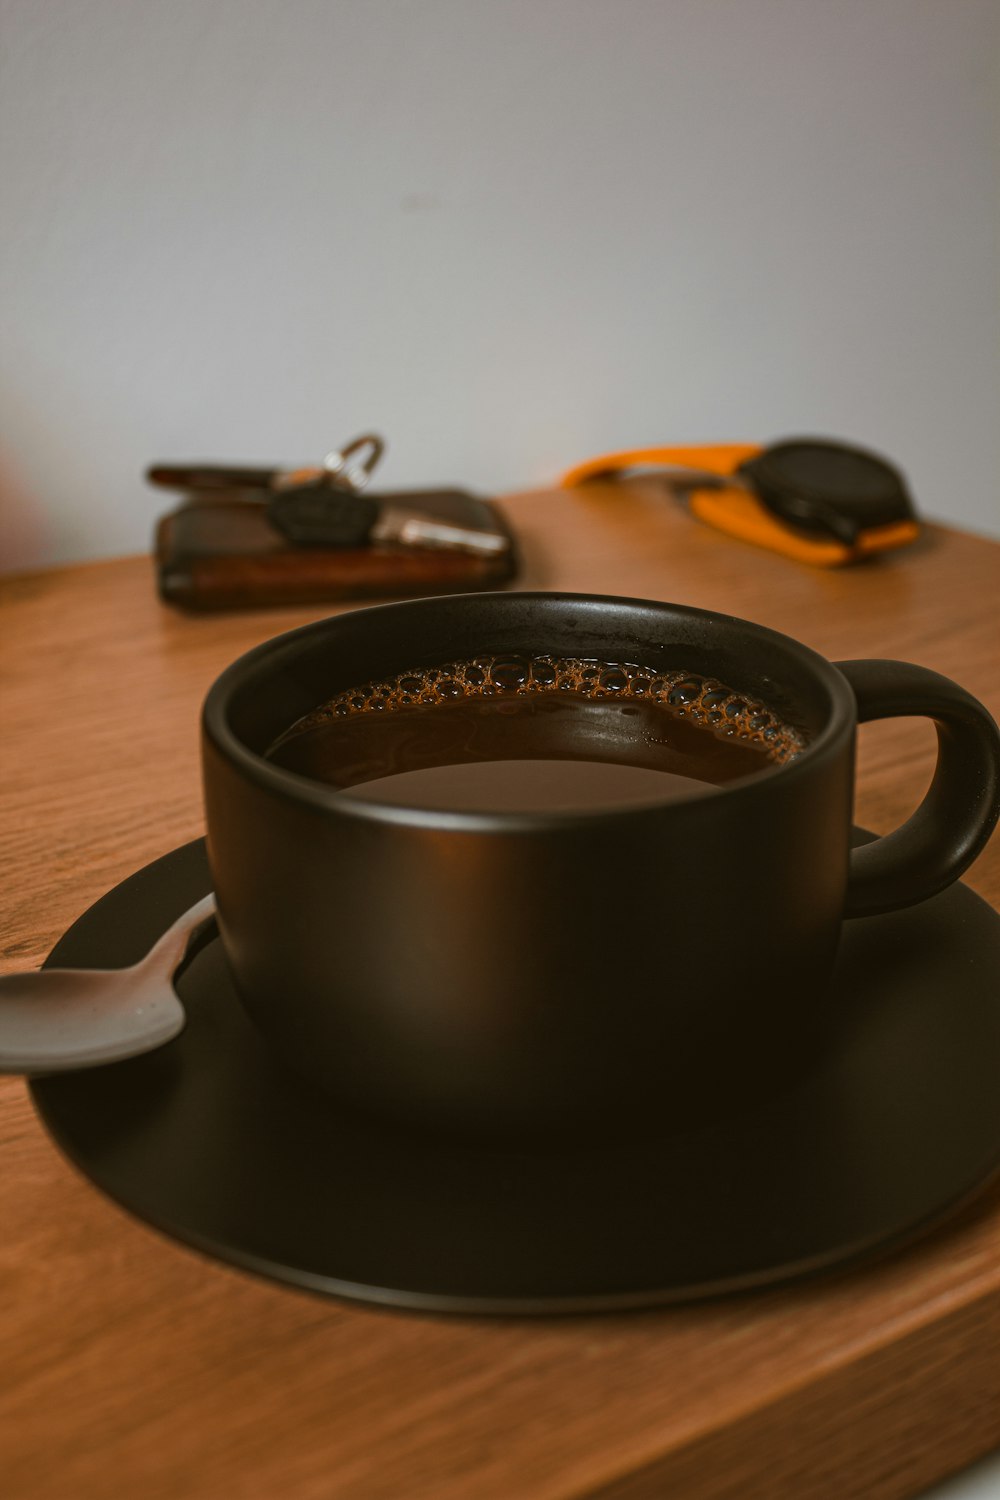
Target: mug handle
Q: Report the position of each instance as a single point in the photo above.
(952, 824)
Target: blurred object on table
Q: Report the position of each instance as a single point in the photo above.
(245, 536)
(810, 499)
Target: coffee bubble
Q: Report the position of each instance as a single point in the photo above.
(712, 706)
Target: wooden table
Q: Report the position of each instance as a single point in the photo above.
(130, 1366)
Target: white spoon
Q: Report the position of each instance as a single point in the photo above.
(53, 1020)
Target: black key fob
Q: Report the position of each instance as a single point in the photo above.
(322, 513)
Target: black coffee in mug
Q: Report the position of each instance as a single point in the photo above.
(539, 733)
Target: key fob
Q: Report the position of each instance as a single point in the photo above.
(322, 514)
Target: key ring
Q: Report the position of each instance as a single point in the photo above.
(335, 470)
(356, 476)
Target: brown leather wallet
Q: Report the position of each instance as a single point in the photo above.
(220, 550)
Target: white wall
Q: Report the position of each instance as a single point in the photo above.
(509, 234)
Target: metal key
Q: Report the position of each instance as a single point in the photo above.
(325, 508)
(321, 514)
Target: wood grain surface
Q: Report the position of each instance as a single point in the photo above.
(130, 1366)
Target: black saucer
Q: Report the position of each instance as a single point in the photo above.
(210, 1141)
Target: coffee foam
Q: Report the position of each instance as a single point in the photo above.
(703, 701)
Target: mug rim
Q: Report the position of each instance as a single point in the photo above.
(216, 728)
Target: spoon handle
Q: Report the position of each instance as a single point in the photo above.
(168, 950)
(57, 1020)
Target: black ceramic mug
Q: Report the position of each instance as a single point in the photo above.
(539, 971)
